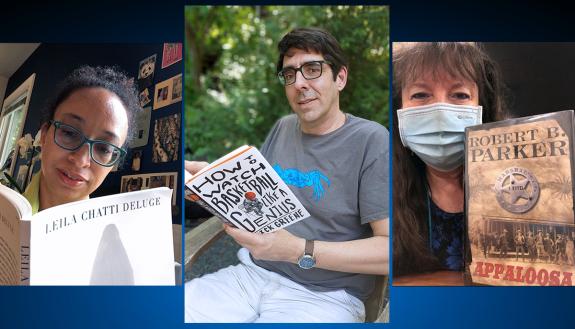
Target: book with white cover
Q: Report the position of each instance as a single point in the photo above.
(122, 239)
(243, 190)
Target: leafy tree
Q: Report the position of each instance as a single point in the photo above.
(233, 96)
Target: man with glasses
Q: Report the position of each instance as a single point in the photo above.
(321, 268)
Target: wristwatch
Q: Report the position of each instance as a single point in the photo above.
(307, 261)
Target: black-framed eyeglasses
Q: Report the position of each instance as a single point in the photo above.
(310, 70)
(70, 139)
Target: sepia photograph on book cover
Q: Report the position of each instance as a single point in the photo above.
(519, 188)
(243, 190)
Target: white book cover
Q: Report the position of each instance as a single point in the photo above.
(244, 190)
(122, 239)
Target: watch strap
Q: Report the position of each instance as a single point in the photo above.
(308, 247)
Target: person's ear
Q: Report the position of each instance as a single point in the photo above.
(44, 129)
(341, 78)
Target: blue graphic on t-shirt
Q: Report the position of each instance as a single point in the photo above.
(293, 176)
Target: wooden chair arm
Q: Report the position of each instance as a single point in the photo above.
(384, 315)
(376, 309)
(198, 239)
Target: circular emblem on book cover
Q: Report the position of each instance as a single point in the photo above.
(517, 190)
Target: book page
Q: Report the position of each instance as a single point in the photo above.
(188, 176)
(123, 239)
(13, 207)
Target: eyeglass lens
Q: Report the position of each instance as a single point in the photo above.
(311, 70)
(71, 139)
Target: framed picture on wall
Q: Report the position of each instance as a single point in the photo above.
(166, 138)
(163, 94)
(151, 180)
(169, 179)
(172, 54)
(168, 92)
(146, 72)
(132, 183)
(145, 97)
(142, 127)
(177, 88)
(136, 160)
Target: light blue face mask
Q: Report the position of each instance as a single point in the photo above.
(436, 132)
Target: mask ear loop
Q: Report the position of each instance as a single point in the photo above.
(428, 195)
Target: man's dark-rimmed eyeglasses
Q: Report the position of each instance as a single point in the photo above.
(310, 70)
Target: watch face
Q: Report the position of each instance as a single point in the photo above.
(306, 262)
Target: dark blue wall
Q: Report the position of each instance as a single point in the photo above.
(53, 62)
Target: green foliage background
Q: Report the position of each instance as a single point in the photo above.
(233, 96)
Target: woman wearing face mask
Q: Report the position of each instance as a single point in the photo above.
(83, 134)
(439, 89)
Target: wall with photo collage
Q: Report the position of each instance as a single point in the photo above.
(157, 146)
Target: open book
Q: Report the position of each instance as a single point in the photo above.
(123, 239)
(243, 190)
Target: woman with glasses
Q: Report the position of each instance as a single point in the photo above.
(438, 90)
(83, 134)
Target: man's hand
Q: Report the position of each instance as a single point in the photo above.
(369, 255)
(277, 246)
(194, 166)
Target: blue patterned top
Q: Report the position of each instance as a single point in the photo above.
(447, 231)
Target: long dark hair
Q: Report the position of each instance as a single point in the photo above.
(410, 61)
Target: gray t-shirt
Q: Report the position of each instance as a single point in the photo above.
(341, 178)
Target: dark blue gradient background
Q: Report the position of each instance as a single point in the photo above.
(162, 307)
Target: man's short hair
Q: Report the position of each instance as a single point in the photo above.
(313, 39)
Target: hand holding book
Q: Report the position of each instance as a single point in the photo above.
(194, 167)
(243, 189)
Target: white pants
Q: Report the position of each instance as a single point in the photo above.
(249, 293)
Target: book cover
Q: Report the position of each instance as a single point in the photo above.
(519, 200)
(122, 239)
(243, 190)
